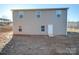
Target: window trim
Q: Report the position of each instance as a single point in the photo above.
(38, 14)
(43, 28)
(20, 29)
(20, 13)
(20, 16)
(58, 13)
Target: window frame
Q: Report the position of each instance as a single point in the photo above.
(38, 14)
(20, 14)
(20, 29)
(43, 28)
(58, 13)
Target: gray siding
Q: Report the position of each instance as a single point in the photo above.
(32, 25)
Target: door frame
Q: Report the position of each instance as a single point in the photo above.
(50, 30)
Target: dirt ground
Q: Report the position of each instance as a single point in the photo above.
(43, 45)
(6, 34)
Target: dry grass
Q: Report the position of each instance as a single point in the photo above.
(72, 30)
(6, 28)
(5, 35)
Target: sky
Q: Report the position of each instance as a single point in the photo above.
(73, 11)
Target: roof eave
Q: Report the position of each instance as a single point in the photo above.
(40, 9)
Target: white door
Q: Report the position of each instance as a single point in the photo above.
(50, 30)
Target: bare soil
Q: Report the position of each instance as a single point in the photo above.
(43, 45)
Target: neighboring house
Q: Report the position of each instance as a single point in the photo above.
(4, 21)
(73, 26)
(51, 21)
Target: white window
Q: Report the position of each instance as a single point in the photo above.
(38, 13)
(20, 14)
(20, 29)
(58, 13)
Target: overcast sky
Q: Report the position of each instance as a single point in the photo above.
(73, 11)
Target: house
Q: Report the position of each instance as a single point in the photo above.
(50, 21)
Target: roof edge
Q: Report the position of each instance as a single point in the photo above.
(40, 9)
